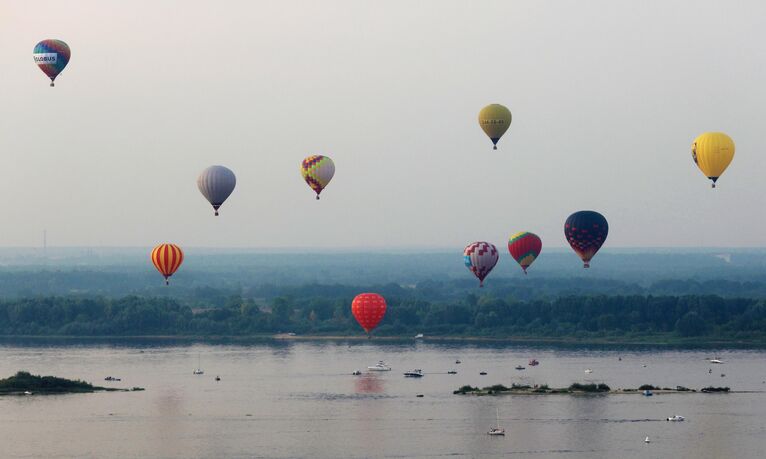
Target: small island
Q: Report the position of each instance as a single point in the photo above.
(24, 383)
(576, 388)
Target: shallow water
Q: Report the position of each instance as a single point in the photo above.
(299, 400)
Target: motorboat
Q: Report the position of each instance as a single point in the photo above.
(217, 378)
(417, 373)
(519, 367)
(356, 373)
(111, 378)
(533, 363)
(482, 373)
(588, 371)
(26, 392)
(676, 418)
(419, 336)
(718, 361)
(380, 366)
(648, 393)
(452, 372)
(457, 362)
(497, 430)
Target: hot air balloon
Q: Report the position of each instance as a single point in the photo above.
(368, 310)
(317, 171)
(167, 258)
(586, 232)
(51, 56)
(524, 247)
(216, 183)
(480, 258)
(494, 120)
(712, 152)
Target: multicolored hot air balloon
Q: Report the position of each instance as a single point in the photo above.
(368, 310)
(51, 56)
(480, 258)
(317, 171)
(494, 120)
(216, 183)
(586, 232)
(712, 152)
(524, 247)
(167, 258)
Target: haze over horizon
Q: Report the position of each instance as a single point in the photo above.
(606, 99)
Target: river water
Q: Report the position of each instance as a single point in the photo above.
(299, 399)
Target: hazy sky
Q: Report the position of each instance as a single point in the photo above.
(606, 96)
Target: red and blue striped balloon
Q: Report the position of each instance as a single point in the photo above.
(51, 56)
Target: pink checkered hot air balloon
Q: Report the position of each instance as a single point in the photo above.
(480, 258)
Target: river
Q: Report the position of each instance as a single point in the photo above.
(299, 399)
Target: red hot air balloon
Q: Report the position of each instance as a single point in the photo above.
(586, 232)
(368, 310)
(167, 258)
(524, 247)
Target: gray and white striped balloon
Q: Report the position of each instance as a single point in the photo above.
(216, 183)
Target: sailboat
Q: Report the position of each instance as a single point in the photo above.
(497, 430)
(198, 371)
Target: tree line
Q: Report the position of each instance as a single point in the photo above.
(328, 312)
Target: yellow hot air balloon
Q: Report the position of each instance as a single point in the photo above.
(494, 120)
(712, 152)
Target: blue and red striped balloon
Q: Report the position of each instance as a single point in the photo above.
(51, 56)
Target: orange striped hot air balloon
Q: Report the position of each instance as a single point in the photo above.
(167, 258)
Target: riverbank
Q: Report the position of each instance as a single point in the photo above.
(649, 340)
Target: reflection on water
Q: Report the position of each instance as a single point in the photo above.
(300, 400)
(368, 383)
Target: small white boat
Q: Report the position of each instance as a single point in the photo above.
(380, 366)
(419, 336)
(720, 362)
(198, 371)
(417, 373)
(588, 371)
(495, 431)
(676, 418)
(646, 440)
(26, 392)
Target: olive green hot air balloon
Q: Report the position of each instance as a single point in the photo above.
(494, 120)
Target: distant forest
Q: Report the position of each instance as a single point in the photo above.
(578, 317)
(660, 295)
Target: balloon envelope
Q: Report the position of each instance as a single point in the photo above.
(586, 232)
(317, 171)
(712, 152)
(368, 310)
(524, 247)
(216, 183)
(494, 120)
(51, 56)
(167, 258)
(480, 258)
